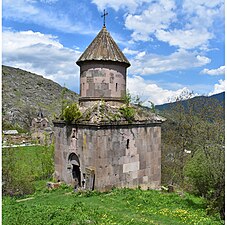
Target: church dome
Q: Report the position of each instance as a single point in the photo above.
(103, 48)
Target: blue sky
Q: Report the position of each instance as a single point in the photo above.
(174, 47)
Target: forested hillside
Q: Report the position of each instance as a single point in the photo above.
(220, 97)
(193, 149)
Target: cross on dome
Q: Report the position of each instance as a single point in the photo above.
(104, 17)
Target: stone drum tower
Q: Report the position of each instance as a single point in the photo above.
(103, 70)
(114, 143)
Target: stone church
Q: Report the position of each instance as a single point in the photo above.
(114, 143)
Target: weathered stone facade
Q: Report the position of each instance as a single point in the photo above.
(39, 123)
(105, 80)
(41, 130)
(119, 156)
(114, 143)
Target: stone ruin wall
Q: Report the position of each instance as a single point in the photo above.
(100, 80)
(121, 156)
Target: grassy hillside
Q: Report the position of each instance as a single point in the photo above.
(24, 93)
(120, 206)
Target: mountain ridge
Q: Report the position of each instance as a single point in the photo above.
(219, 97)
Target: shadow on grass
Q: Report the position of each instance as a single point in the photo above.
(195, 205)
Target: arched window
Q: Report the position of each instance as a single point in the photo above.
(74, 160)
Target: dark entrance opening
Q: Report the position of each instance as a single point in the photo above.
(76, 174)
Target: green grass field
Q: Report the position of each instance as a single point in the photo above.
(32, 159)
(63, 206)
(120, 206)
(23, 165)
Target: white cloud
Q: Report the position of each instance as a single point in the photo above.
(136, 54)
(157, 16)
(41, 54)
(218, 88)
(30, 11)
(130, 52)
(187, 25)
(140, 55)
(149, 91)
(214, 72)
(130, 5)
(49, 1)
(137, 36)
(14, 40)
(203, 60)
(187, 39)
(154, 64)
(203, 10)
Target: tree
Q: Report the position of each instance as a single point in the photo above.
(206, 173)
(152, 106)
(193, 149)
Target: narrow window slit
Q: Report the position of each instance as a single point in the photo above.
(127, 145)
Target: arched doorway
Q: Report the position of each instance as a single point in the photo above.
(74, 161)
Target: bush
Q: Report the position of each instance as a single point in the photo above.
(21, 167)
(128, 113)
(206, 173)
(72, 113)
(16, 176)
(47, 162)
(6, 125)
(127, 99)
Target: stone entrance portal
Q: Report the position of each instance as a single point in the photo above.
(76, 173)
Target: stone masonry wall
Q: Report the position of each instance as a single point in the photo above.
(102, 80)
(126, 156)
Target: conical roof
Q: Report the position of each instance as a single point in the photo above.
(103, 48)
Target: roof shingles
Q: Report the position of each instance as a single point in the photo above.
(104, 48)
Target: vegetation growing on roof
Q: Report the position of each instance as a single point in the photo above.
(72, 113)
(128, 113)
(126, 110)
